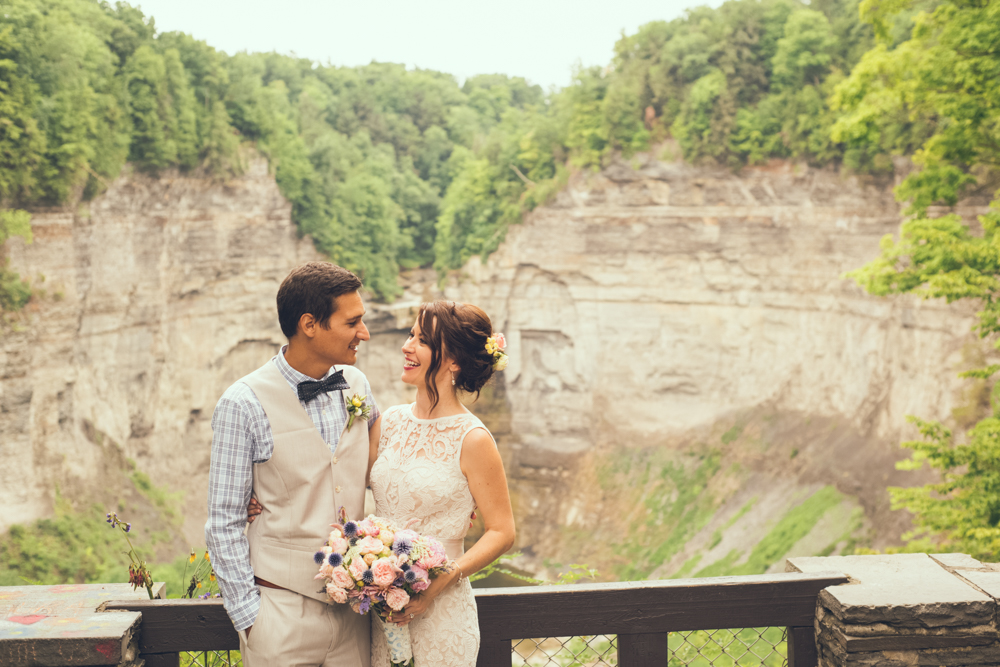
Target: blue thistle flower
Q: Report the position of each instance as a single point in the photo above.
(402, 546)
(335, 559)
(410, 576)
(350, 529)
(398, 583)
(404, 567)
(368, 577)
(319, 557)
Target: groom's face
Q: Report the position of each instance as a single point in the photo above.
(338, 343)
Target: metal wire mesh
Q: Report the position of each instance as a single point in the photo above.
(747, 647)
(211, 659)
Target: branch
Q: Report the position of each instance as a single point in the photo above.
(527, 181)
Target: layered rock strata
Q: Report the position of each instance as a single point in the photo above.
(151, 300)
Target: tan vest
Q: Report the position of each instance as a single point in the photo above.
(302, 486)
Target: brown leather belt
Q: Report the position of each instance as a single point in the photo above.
(268, 584)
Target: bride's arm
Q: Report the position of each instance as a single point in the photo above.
(483, 468)
(374, 433)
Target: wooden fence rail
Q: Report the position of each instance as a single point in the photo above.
(641, 613)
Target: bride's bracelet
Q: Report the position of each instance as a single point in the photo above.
(454, 564)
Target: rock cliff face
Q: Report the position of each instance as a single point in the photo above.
(157, 295)
(660, 310)
(686, 359)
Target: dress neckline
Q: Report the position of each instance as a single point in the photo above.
(409, 413)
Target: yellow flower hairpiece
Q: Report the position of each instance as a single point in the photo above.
(495, 345)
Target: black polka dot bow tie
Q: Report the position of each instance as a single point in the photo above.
(310, 389)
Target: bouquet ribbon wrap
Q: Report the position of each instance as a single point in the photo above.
(398, 639)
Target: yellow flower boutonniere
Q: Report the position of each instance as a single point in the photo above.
(357, 406)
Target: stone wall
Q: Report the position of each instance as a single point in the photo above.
(907, 609)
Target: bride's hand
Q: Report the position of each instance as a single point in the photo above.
(253, 509)
(417, 605)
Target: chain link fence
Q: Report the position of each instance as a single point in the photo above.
(748, 647)
(211, 659)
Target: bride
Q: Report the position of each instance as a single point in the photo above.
(436, 461)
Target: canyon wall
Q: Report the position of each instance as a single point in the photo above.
(660, 317)
(153, 298)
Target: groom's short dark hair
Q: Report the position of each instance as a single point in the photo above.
(313, 288)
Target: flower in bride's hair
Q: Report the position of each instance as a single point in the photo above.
(501, 363)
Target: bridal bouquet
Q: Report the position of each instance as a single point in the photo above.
(374, 565)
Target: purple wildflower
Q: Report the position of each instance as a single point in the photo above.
(128, 527)
(399, 582)
(365, 605)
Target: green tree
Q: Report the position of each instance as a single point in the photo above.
(937, 92)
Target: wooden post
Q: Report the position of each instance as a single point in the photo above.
(645, 650)
(161, 659)
(802, 647)
(494, 652)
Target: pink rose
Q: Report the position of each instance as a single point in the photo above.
(336, 594)
(368, 527)
(339, 545)
(420, 585)
(501, 341)
(357, 568)
(324, 570)
(370, 545)
(396, 598)
(385, 572)
(341, 578)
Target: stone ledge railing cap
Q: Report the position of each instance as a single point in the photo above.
(898, 583)
(987, 580)
(957, 561)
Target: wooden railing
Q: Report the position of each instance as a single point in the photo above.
(640, 613)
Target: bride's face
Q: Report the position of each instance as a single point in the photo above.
(417, 357)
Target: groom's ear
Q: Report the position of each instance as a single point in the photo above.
(307, 325)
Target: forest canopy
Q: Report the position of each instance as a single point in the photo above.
(390, 168)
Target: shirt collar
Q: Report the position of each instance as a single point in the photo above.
(293, 376)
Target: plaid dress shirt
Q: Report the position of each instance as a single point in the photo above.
(242, 437)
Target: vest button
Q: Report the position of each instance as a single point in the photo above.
(334, 460)
(337, 489)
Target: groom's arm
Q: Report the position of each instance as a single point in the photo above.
(230, 483)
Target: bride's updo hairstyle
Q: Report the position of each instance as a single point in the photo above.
(459, 330)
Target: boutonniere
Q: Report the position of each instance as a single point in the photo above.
(357, 406)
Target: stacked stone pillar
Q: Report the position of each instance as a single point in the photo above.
(906, 609)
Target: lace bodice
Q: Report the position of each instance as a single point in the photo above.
(418, 474)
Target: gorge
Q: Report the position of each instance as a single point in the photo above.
(694, 388)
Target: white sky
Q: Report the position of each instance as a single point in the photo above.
(540, 40)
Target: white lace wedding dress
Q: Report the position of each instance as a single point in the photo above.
(417, 475)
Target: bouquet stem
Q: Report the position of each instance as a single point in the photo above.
(398, 639)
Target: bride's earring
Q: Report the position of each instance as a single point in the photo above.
(452, 379)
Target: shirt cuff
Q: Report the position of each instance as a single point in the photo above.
(244, 615)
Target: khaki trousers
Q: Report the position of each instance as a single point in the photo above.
(292, 630)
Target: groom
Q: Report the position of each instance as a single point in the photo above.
(281, 435)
